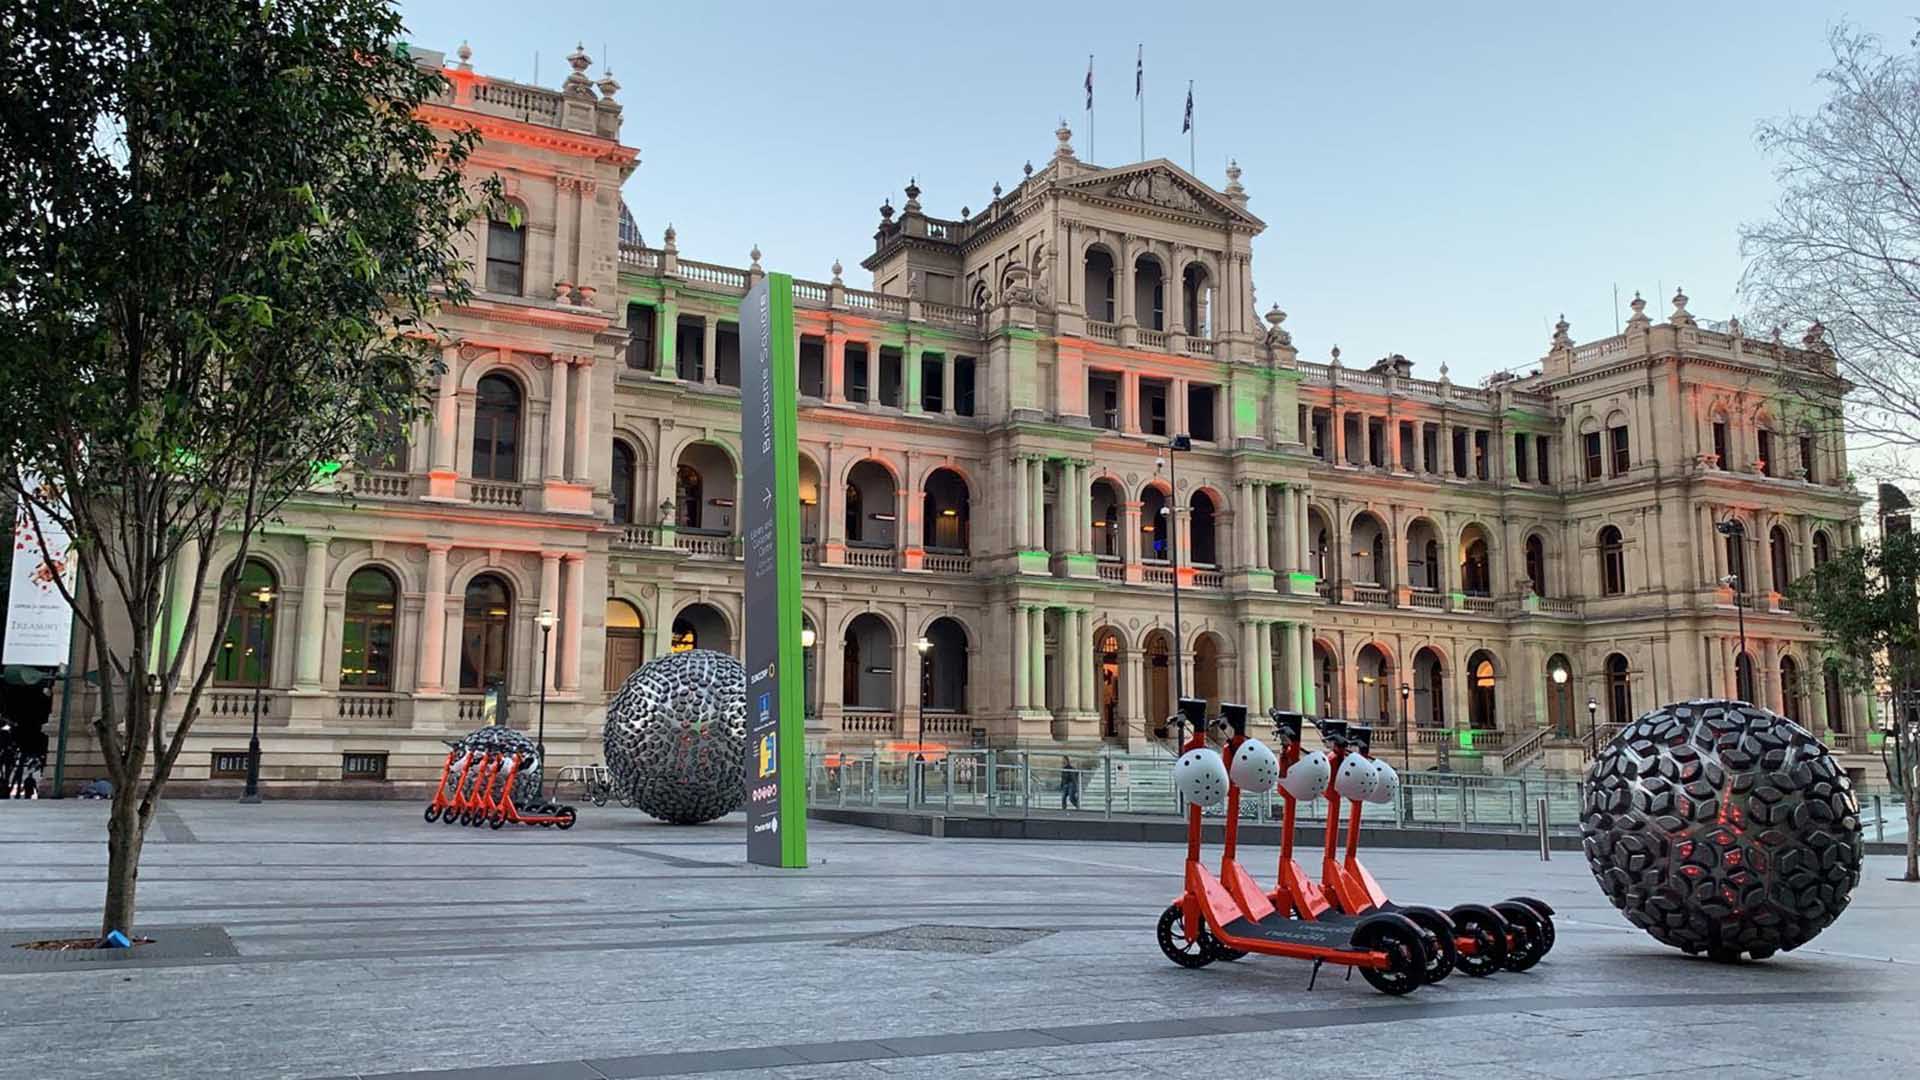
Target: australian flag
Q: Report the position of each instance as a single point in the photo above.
(1186, 124)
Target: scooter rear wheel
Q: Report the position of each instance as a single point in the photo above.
(1442, 953)
(1527, 935)
(1188, 953)
(567, 817)
(1488, 932)
(433, 814)
(1406, 954)
(1546, 922)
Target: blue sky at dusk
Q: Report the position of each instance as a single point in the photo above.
(1437, 181)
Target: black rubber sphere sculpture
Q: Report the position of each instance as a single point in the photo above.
(676, 737)
(506, 741)
(1721, 828)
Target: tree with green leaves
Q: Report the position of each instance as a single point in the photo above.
(1862, 602)
(224, 232)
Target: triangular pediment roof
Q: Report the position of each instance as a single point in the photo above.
(1161, 186)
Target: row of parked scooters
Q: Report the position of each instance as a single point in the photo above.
(476, 788)
(1343, 918)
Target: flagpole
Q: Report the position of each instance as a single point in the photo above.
(1192, 160)
(1140, 95)
(1093, 155)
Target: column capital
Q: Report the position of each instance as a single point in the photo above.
(438, 547)
(573, 557)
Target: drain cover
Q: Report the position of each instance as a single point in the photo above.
(953, 939)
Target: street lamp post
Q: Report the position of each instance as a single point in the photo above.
(1593, 726)
(1734, 529)
(1406, 730)
(264, 596)
(545, 619)
(922, 646)
(1559, 676)
(1175, 444)
(806, 668)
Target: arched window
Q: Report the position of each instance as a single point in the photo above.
(1613, 563)
(1433, 564)
(1743, 678)
(1780, 556)
(1619, 691)
(246, 650)
(1790, 688)
(625, 646)
(1099, 285)
(1481, 679)
(623, 476)
(386, 448)
(1737, 558)
(946, 512)
(1106, 658)
(1836, 699)
(1327, 681)
(1822, 548)
(1537, 564)
(506, 257)
(1196, 287)
(689, 496)
(485, 632)
(1149, 293)
(366, 633)
(496, 429)
(1560, 714)
(943, 667)
(1618, 451)
(1205, 549)
(1476, 577)
(1155, 524)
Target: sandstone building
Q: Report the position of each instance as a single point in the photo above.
(995, 524)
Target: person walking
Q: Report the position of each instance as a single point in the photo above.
(1069, 783)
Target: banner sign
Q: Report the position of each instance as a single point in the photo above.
(39, 622)
(770, 522)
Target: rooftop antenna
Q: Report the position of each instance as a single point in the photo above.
(536, 67)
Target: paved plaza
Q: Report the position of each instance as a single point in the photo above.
(354, 940)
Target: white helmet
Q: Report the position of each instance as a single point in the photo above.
(1355, 780)
(1254, 767)
(1200, 778)
(1307, 777)
(1386, 783)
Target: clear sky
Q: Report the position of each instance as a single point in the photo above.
(1437, 180)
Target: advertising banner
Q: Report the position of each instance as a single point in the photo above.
(39, 622)
(770, 523)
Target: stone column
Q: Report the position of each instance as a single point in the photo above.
(1263, 644)
(1036, 501)
(1262, 528)
(430, 679)
(1245, 542)
(186, 563)
(1021, 667)
(1290, 664)
(709, 348)
(1022, 523)
(583, 422)
(1813, 683)
(446, 413)
(1249, 662)
(1289, 531)
(1130, 540)
(1304, 544)
(557, 421)
(1083, 493)
(1037, 656)
(1305, 693)
(872, 356)
(836, 373)
(549, 601)
(574, 629)
(1067, 660)
(1419, 447)
(1130, 402)
(1067, 493)
(946, 385)
(1089, 688)
(313, 614)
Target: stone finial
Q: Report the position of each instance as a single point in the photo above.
(1443, 372)
(886, 211)
(996, 191)
(913, 196)
(1275, 334)
(465, 53)
(1336, 356)
(1815, 339)
(577, 82)
(1777, 334)
(1681, 316)
(965, 213)
(1235, 191)
(1734, 329)
(668, 239)
(1064, 134)
(836, 273)
(1561, 338)
(755, 256)
(1027, 169)
(1639, 317)
(607, 85)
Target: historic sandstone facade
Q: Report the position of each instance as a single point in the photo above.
(995, 524)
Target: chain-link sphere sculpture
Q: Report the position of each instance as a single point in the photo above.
(1722, 828)
(676, 737)
(498, 739)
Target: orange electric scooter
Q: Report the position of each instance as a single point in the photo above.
(1215, 921)
(501, 810)
(1513, 934)
(443, 796)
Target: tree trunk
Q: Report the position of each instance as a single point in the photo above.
(1913, 841)
(126, 833)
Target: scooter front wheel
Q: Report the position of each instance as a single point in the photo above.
(433, 814)
(1442, 952)
(567, 818)
(1182, 950)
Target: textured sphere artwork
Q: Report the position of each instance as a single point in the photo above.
(506, 741)
(1719, 827)
(676, 736)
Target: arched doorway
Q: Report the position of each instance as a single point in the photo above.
(1790, 689)
(1159, 654)
(246, 650)
(1836, 698)
(1106, 521)
(625, 645)
(367, 631)
(1196, 286)
(1369, 555)
(1423, 556)
(1206, 670)
(1560, 711)
(1106, 659)
(943, 673)
(1781, 556)
(1155, 524)
(1743, 678)
(1206, 551)
(1429, 689)
(809, 500)
(870, 515)
(866, 656)
(1099, 284)
(1149, 293)
(1482, 677)
(703, 490)
(1476, 565)
(1374, 674)
(1536, 549)
(948, 514)
(625, 469)
(1619, 691)
(485, 633)
(1326, 681)
(496, 429)
(700, 626)
(1320, 546)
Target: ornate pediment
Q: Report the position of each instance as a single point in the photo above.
(1164, 186)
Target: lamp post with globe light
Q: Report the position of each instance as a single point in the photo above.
(264, 597)
(545, 621)
(1559, 675)
(1175, 444)
(923, 646)
(1406, 729)
(1593, 726)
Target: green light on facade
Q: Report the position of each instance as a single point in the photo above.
(1466, 738)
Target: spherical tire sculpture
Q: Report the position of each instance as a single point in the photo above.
(1719, 827)
(506, 741)
(676, 737)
